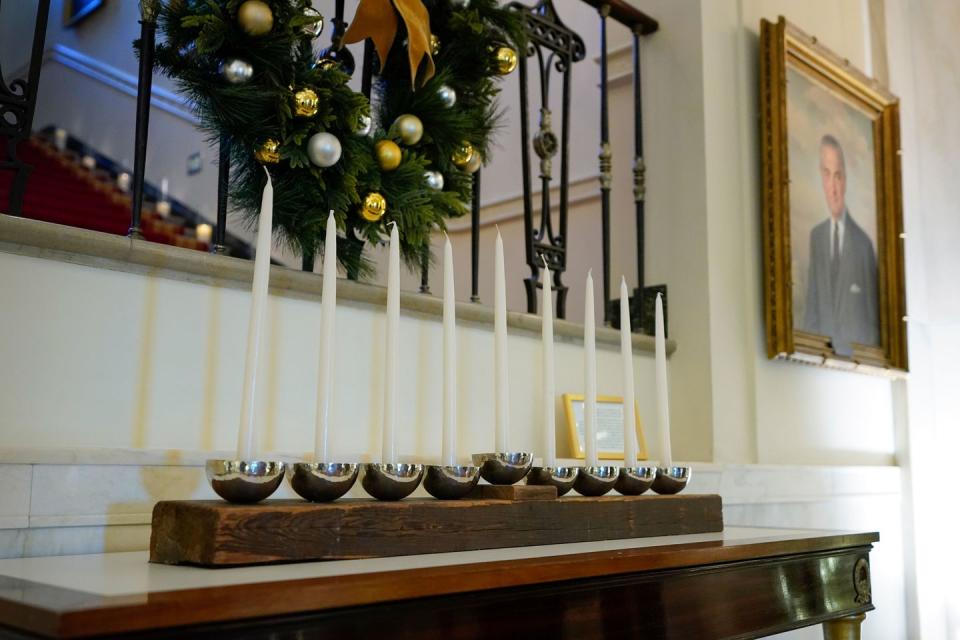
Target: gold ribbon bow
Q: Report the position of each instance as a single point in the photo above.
(376, 19)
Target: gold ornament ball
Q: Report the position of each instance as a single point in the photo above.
(506, 60)
(305, 103)
(268, 152)
(388, 154)
(409, 128)
(474, 164)
(463, 155)
(373, 207)
(434, 44)
(255, 18)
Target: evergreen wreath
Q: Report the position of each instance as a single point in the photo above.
(242, 80)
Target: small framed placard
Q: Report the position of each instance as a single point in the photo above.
(609, 427)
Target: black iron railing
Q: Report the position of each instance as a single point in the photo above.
(552, 48)
(18, 101)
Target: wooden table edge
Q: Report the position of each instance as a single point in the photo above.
(165, 609)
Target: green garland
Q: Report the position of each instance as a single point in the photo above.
(200, 34)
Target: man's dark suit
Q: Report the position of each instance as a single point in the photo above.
(845, 310)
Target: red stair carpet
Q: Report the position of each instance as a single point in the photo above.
(62, 191)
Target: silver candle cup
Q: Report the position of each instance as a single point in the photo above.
(244, 481)
(450, 482)
(671, 480)
(595, 480)
(322, 481)
(632, 481)
(503, 468)
(391, 481)
(560, 477)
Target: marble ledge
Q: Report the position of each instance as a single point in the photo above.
(117, 253)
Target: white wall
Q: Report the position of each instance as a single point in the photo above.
(924, 63)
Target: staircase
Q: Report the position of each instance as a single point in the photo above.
(62, 190)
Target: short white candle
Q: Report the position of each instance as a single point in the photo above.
(258, 307)
(590, 375)
(626, 354)
(501, 378)
(549, 394)
(204, 232)
(449, 359)
(328, 308)
(391, 400)
(663, 402)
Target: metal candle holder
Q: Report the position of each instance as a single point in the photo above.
(560, 477)
(503, 468)
(632, 481)
(323, 481)
(391, 481)
(450, 482)
(671, 480)
(595, 480)
(244, 481)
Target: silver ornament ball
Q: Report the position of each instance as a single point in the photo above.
(236, 71)
(434, 180)
(313, 29)
(447, 95)
(365, 126)
(324, 149)
(460, 4)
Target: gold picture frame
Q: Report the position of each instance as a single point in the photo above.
(575, 433)
(858, 321)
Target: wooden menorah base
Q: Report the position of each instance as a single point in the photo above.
(218, 534)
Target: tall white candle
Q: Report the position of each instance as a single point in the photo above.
(626, 354)
(501, 379)
(258, 307)
(328, 308)
(164, 188)
(549, 394)
(449, 359)
(590, 376)
(663, 402)
(391, 400)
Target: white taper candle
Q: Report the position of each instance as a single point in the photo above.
(328, 308)
(246, 439)
(663, 401)
(449, 454)
(391, 399)
(501, 378)
(626, 354)
(590, 375)
(549, 394)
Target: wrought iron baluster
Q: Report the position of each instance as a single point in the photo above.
(223, 185)
(17, 104)
(555, 48)
(148, 32)
(606, 161)
(639, 185)
(475, 239)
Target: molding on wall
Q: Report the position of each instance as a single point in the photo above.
(116, 79)
(619, 65)
(506, 208)
(117, 253)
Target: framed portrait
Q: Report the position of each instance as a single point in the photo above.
(832, 207)
(609, 427)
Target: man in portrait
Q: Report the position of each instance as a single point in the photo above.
(842, 282)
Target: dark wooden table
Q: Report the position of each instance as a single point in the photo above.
(741, 583)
